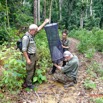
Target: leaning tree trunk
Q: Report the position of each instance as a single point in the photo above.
(35, 11)
(38, 11)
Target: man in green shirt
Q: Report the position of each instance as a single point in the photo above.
(68, 74)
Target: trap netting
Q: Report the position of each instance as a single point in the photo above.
(54, 42)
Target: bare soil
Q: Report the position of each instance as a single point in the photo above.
(53, 92)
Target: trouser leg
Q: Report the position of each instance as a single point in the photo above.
(53, 69)
(30, 69)
(64, 63)
(60, 77)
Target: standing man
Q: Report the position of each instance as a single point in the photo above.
(29, 52)
(68, 74)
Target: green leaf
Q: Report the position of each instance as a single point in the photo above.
(35, 79)
(11, 61)
(44, 78)
(39, 71)
(39, 80)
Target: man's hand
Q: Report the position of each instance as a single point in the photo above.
(47, 20)
(27, 58)
(28, 61)
(43, 24)
(58, 67)
(63, 46)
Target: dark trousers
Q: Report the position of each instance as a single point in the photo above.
(30, 70)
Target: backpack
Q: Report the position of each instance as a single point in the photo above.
(19, 43)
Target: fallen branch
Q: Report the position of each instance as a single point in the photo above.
(38, 96)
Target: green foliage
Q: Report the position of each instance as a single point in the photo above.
(96, 68)
(3, 35)
(14, 71)
(39, 77)
(98, 100)
(91, 22)
(89, 53)
(8, 34)
(43, 53)
(11, 16)
(88, 84)
(1, 96)
(90, 41)
(23, 16)
(43, 56)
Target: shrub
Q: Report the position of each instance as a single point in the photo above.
(89, 40)
(88, 84)
(14, 71)
(98, 100)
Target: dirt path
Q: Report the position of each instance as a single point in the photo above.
(53, 92)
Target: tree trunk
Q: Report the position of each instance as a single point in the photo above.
(50, 10)
(8, 23)
(86, 9)
(38, 11)
(91, 11)
(60, 9)
(35, 11)
(81, 20)
(44, 9)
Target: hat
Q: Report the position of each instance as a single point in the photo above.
(67, 53)
(33, 26)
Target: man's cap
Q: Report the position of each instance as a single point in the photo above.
(33, 26)
(67, 53)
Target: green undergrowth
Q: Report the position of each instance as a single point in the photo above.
(14, 70)
(94, 71)
(90, 41)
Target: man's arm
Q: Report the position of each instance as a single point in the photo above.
(66, 68)
(43, 24)
(25, 43)
(66, 47)
(27, 58)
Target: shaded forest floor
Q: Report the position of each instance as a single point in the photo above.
(53, 92)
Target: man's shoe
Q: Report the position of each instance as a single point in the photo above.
(24, 85)
(51, 71)
(75, 80)
(68, 84)
(31, 87)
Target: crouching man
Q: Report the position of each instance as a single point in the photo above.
(68, 74)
